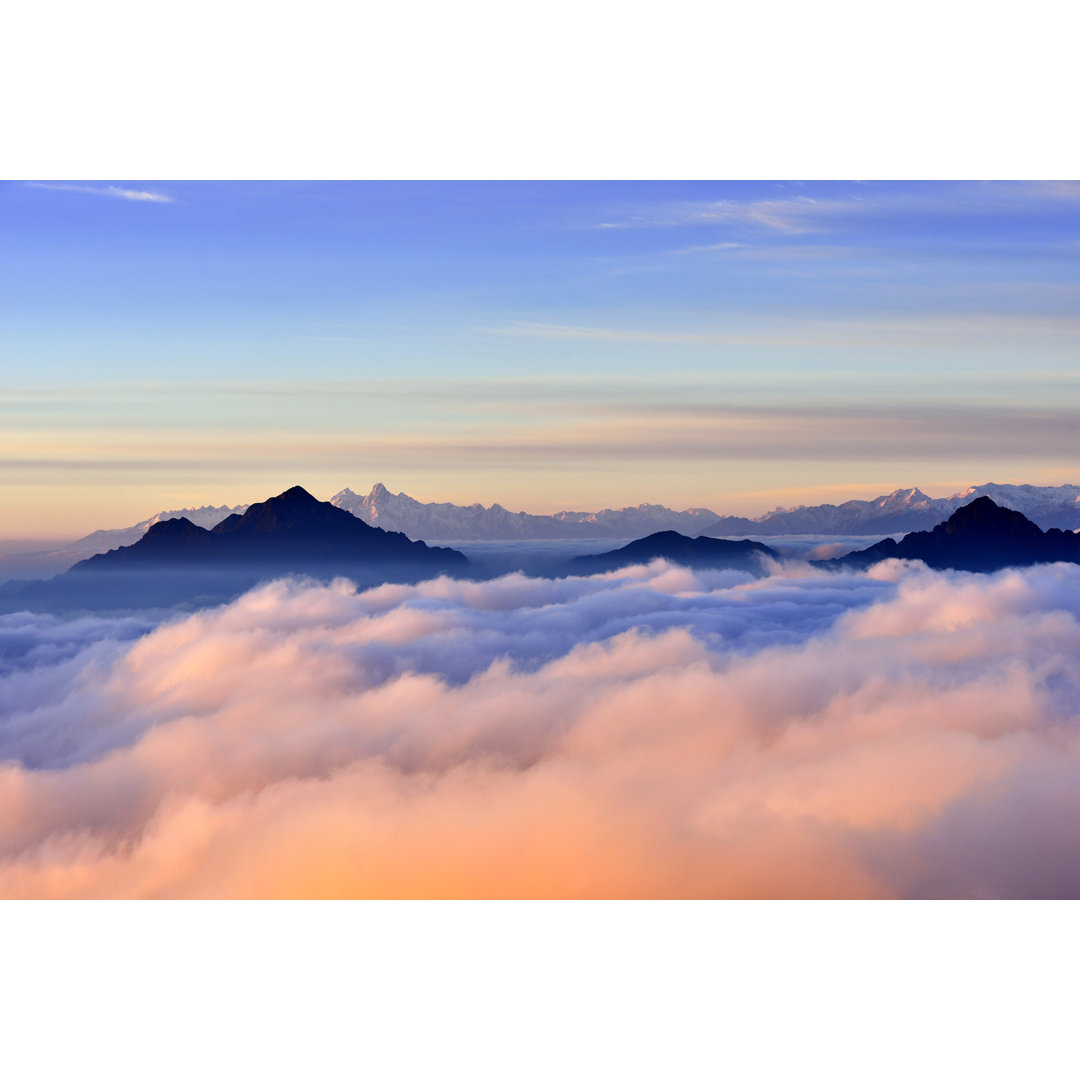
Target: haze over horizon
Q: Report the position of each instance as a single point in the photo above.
(546, 346)
(199, 509)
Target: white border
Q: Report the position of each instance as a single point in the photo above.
(587, 89)
(883, 990)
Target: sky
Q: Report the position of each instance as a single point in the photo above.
(731, 345)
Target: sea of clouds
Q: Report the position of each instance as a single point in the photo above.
(653, 732)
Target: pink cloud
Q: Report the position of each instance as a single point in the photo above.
(650, 733)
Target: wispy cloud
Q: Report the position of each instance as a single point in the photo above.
(962, 330)
(632, 433)
(708, 247)
(786, 253)
(783, 215)
(805, 214)
(609, 333)
(111, 191)
(1063, 189)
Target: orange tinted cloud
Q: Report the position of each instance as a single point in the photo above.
(650, 733)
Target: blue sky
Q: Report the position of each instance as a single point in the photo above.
(547, 345)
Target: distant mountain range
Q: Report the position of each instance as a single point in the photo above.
(980, 536)
(904, 510)
(908, 509)
(54, 560)
(293, 530)
(206, 517)
(445, 521)
(179, 563)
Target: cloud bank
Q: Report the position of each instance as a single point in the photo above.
(654, 732)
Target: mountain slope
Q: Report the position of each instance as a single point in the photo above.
(979, 536)
(904, 510)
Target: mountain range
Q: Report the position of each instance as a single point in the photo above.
(979, 536)
(176, 561)
(908, 509)
(901, 511)
(445, 521)
(52, 560)
(179, 563)
(296, 533)
(206, 517)
(293, 529)
(904, 510)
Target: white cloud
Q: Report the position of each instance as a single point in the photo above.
(963, 329)
(782, 215)
(731, 246)
(609, 333)
(654, 732)
(111, 191)
(804, 214)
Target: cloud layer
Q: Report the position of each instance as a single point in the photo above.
(650, 733)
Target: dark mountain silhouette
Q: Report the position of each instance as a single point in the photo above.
(703, 552)
(979, 536)
(177, 562)
(293, 529)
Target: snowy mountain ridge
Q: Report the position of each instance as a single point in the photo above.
(908, 509)
(902, 510)
(446, 521)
